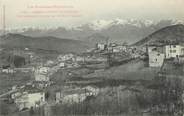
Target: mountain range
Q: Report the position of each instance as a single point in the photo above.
(117, 30)
(172, 33)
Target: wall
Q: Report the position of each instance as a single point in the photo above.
(156, 59)
(172, 51)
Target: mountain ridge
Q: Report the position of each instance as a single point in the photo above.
(46, 43)
(118, 30)
(169, 34)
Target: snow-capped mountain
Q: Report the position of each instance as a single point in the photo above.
(103, 24)
(118, 30)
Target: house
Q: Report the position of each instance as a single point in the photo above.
(29, 100)
(62, 64)
(28, 96)
(8, 70)
(66, 57)
(41, 77)
(79, 58)
(172, 51)
(42, 84)
(156, 56)
(116, 48)
(72, 96)
(42, 74)
(94, 90)
(43, 70)
(101, 46)
(156, 59)
(119, 48)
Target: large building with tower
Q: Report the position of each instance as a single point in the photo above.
(157, 54)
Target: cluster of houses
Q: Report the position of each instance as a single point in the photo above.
(77, 59)
(33, 96)
(113, 47)
(157, 54)
(29, 96)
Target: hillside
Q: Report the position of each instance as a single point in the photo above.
(42, 43)
(134, 70)
(173, 33)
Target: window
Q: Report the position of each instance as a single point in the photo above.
(174, 46)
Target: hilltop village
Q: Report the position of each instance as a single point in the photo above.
(121, 74)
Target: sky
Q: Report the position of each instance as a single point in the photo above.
(68, 13)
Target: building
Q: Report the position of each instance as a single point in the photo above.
(62, 64)
(30, 100)
(155, 55)
(65, 57)
(101, 46)
(156, 59)
(80, 58)
(116, 48)
(43, 70)
(41, 77)
(71, 96)
(8, 70)
(75, 95)
(42, 74)
(119, 48)
(172, 51)
(94, 90)
(27, 96)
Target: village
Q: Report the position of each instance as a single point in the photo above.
(46, 87)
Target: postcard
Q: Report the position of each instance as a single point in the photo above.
(91, 58)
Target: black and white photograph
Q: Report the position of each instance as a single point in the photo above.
(91, 57)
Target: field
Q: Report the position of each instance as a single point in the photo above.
(9, 80)
(133, 70)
